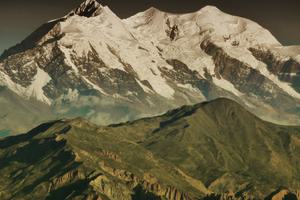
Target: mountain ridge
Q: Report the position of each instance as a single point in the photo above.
(206, 151)
(152, 62)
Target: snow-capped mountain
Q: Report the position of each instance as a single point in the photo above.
(93, 64)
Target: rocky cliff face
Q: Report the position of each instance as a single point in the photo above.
(90, 63)
(248, 80)
(276, 195)
(286, 68)
(201, 152)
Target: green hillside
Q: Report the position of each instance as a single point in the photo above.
(213, 150)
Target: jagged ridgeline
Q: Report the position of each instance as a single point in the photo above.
(91, 63)
(211, 151)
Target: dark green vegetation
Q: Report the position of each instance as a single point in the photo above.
(189, 153)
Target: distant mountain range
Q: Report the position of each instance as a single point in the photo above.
(211, 151)
(92, 64)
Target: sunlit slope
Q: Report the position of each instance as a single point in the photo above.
(188, 153)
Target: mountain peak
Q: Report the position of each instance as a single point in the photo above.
(153, 9)
(210, 8)
(150, 12)
(89, 8)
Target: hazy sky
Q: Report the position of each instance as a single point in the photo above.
(18, 18)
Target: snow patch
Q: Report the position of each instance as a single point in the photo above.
(145, 88)
(161, 87)
(226, 85)
(94, 86)
(36, 88)
(5, 80)
(72, 95)
(68, 59)
(286, 87)
(189, 87)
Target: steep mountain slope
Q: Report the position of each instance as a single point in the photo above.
(151, 62)
(18, 113)
(213, 150)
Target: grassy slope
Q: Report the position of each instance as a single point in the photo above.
(216, 146)
(224, 146)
